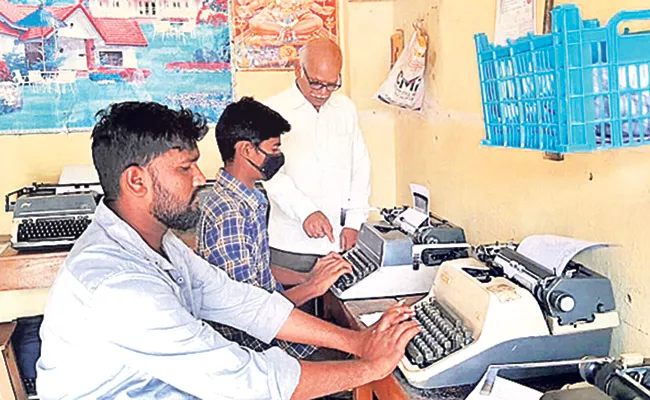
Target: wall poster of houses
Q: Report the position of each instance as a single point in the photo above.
(269, 33)
(64, 60)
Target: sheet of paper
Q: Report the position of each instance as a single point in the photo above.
(515, 18)
(420, 197)
(411, 219)
(78, 174)
(371, 318)
(505, 389)
(554, 252)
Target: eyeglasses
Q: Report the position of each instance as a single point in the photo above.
(318, 85)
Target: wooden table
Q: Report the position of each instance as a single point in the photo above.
(20, 271)
(394, 386)
(37, 270)
(34, 270)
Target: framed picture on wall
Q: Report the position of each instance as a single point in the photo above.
(62, 61)
(267, 34)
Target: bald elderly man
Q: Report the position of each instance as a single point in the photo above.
(320, 197)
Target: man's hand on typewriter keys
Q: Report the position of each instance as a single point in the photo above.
(384, 342)
(316, 225)
(326, 271)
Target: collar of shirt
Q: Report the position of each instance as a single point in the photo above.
(253, 198)
(127, 238)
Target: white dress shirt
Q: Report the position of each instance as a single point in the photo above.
(327, 169)
(123, 322)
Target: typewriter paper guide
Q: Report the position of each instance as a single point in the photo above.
(420, 196)
(412, 218)
(554, 252)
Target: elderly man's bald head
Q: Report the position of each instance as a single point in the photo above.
(321, 61)
(321, 51)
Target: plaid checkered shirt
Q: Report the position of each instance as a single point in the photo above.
(233, 236)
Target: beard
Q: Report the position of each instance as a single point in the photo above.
(170, 211)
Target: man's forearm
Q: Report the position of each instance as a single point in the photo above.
(300, 294)
(301, 327)
(318, 379)
(288, 277)
(379, 350)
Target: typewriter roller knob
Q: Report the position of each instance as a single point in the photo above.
(562, 301)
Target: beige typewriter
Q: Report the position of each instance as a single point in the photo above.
(476, 315)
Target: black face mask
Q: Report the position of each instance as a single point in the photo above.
(270, 166)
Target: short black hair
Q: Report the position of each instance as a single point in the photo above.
(247, 120)
(134, 133)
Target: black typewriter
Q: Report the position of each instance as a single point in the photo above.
(362, 266)
(435, 230)
(390, 260)
(46, 220)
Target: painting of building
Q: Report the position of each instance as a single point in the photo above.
(83, 58)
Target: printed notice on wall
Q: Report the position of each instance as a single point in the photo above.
(515, 18)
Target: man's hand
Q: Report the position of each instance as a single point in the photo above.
(348, 238)
(316, 225)
(383, 344)
(326, 271)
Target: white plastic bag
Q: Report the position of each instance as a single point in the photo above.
(404, 86)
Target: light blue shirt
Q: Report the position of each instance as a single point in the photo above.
(121, 321)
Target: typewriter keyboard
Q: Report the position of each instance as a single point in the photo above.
(70, 228)
(442, 334)
(362, 266)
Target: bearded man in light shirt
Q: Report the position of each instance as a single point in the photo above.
(320, 197)
(125, 316)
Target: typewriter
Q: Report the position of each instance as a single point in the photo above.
(397, 257)
(509, 310)
(622, 378)
(626, 377)
(44, 218)
(433, 241)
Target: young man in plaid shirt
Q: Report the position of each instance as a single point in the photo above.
(233, 227)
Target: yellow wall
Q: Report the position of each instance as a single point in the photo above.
(39, 158)
(499, 194)
(367, 53)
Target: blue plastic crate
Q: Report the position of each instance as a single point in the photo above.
(580, 88)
